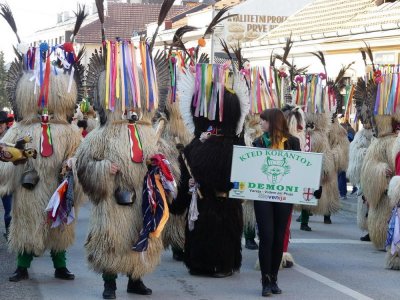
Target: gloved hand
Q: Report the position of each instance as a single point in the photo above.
(318, 193)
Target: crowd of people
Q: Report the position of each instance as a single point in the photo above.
(154, 159)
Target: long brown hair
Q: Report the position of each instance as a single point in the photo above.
(278, 127)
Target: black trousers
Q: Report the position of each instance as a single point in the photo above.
(271, 219)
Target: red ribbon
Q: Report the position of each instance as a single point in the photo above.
(135, 143)
(44, 89)
(46, 147)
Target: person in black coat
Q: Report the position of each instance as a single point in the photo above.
(213, 240)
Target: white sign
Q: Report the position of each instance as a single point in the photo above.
(255, 18)
(275, 175)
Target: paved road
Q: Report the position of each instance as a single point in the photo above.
(331, 263)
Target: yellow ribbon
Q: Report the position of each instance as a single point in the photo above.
(107, 97)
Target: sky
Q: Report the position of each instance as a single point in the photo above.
(30, 16)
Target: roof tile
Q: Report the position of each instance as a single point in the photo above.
(123, 19)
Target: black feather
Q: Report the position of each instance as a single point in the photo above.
(181, 31)
(19, 55)
(217, 19)
(321, 58)
(204, 59)
(80, 17)
(164, 10)
(370, 55)
(287, 48)
(100, 10)
(364, 55)
(238, 53)
(283, 60)
(341, 73)
(8, 16)
(225, 48)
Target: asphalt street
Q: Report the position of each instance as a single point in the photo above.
(331, 263)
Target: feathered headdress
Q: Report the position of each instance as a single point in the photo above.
(41, 60)
(116, 83)
(204, 95)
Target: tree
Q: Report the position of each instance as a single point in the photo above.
(3, 75)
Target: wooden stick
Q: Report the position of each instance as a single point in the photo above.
(177, 141)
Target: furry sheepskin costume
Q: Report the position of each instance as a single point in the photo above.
(357, 152)
(29, 232)
(374, 181)
(115, 228)
(317, 126)
(213, 245)
(339, 145)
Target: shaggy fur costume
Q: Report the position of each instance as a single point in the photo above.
(358, 150)
(339, 145)
(392, 261)
(374, 181)
(114, 228)
(29, 230)
(318, 127)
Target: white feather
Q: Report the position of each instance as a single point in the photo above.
(185, 92)
(241, 90)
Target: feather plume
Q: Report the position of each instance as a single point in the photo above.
(100, 10)
(185, 91)
(226, 48)
(283, 60)
(14, 74)
(369, 52)
(80, 17)
(238, 53)
(163, 77)
(217, 19)
(177, 39)
(79, 74)
(8, 16)
(287, 48)
(321, 58)
(204, 59)
(341, 73)
(364, 56)
(360, 100)
(19, 55)
(164, 10)
(181, 31)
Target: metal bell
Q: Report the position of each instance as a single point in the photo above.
(29, 179)
(124, 197)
